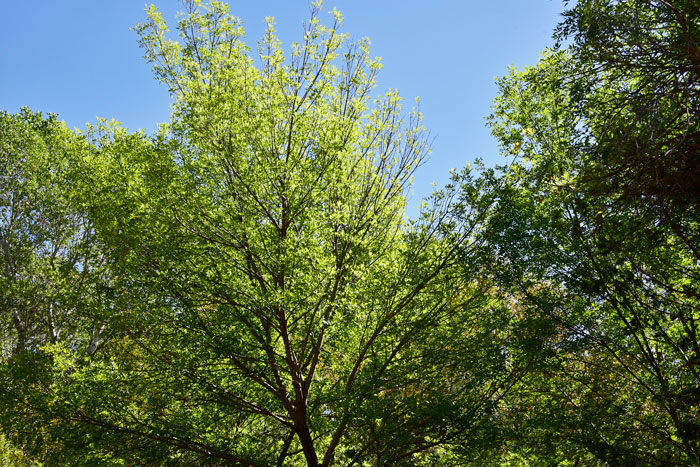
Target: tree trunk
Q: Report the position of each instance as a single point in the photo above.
(21, 333)
(307, 445)
(95, 338)
(53, 332)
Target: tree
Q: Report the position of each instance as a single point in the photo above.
(46, 257)
(598, 223)
(270, 302)
(647, 54)
(50, 265)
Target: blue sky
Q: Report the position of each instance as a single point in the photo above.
(80, 59)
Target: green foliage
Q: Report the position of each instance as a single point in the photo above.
(49, 255)
(9, 455)
(268, 302)
(638, 86)
(244, 287)
(52, 271)
(598, 230)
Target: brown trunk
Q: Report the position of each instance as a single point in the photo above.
(307, 445)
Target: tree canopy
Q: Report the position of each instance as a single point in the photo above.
(245, 287)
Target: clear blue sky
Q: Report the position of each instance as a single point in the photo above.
(80, 59)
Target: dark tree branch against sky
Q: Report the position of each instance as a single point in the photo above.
(81, 60)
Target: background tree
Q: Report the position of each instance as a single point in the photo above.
(46, 245)
(647, 53)
(598, 223)
(51, 269)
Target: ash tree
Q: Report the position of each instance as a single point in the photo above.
(271, 303)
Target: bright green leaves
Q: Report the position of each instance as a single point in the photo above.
(244, 287)
(47, 245)
(52, 275)
(259, 243)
